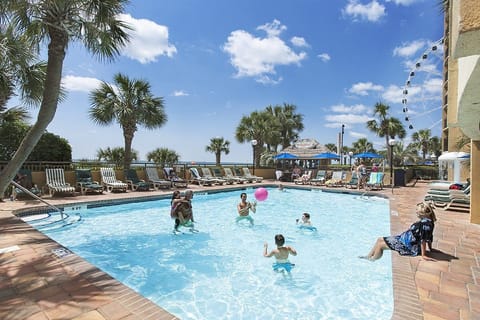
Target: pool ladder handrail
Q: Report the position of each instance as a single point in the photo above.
(37, 197)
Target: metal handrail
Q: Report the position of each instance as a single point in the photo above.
(37, 197)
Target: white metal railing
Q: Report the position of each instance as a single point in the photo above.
(37, 197)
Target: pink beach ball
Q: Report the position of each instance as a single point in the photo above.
(261, 194)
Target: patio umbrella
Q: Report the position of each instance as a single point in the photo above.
(369, 155)
(285, 156)
(327, 155)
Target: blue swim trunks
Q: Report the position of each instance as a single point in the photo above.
(281, 266)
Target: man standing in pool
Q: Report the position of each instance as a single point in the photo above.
(182, 207)
(244, 208)
(281, 254)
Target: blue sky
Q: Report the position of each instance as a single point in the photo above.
(214, 61)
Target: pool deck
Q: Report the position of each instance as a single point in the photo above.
(39, 283)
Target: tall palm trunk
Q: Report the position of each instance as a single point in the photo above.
(128, 150)
(48, 107)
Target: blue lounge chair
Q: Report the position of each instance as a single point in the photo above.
(154, 180)
(85, 182)
(375, 181)
(133, 182)
(24, 178)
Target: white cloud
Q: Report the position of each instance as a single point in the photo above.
(257, 57)
(372, 11)
(433, 86)
(403, 2)
(362, 88)
(409, 49)
(336, 120)
(82, 84)
(148, 40)
(357, 135)
(341, 108)
(299, 42)
(273, 29)
(393, 94)
(180, 93)
(324, 57)
(418, 94)
(346, 119)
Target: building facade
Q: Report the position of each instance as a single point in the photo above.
(461, 88)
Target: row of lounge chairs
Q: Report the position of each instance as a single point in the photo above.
(85, 184)
(441, 196)
(339, 179)
(207, 178)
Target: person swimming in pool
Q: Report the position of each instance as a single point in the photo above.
(182, 210)
(305, 220)
(281, 254)
(244, 207)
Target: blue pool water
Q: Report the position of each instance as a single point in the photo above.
(220, 272)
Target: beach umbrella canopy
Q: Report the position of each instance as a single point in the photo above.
(369, 155)
(327, 155)
(285, 156)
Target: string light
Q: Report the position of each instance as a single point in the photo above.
(418, 64)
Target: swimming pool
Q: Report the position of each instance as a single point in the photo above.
(220, 272)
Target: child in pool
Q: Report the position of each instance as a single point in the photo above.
(305, 220)
(281, 254)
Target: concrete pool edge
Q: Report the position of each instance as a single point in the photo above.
(411, 301)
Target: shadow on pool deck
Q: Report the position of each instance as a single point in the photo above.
(37, 282)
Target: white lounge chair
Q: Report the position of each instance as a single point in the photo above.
(197, 178)
(176, 181)
(240, 174)
(154, 180)
(56, 182)
(110, 181)
(305, 178)
(206, 173)
(229, 174)
(337, 180)
(247, 174)
(319, 178)
(217, 173)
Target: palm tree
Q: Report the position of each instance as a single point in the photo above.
(19, 69)
(15, 114)
(289, 123)
(385, 126)
(254, 127)
(422, 141)
(217, 146)
(130, 104)
(115, 155)
(163, 157)
(331, 147)
(362, 145)
(57, 24)
(402, 154)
